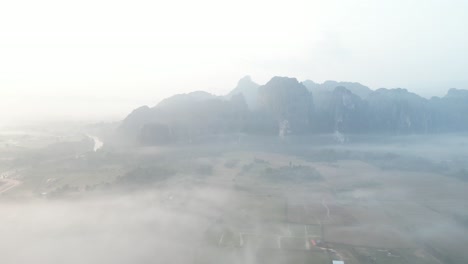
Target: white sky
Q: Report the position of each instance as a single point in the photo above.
(99, 59)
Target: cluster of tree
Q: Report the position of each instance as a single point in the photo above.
(284, 106)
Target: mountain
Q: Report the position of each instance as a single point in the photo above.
(134, 122)
(329, 86)
(450, 113)
(182, 100)
(248, 89)
(288, 102)
(398, 111)
(285, 106)
(313, 87)
(185, 117)
(349, 111)
(331, 111)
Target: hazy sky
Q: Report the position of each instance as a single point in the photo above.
(99, 59)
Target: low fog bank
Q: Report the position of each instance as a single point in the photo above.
(184, 221)
(164, 226)
(232, 199)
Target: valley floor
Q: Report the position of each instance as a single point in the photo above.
(376, 203)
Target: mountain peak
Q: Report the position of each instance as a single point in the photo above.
(248, 89)
(280, 80)
(329, 85)
(245, 79)
(453, 92)
(181, 99)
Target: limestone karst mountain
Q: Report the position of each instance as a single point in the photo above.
(398, 111)
(329, 86)
(285, 106)
(287, 100)
(248, 89)
(450, 113)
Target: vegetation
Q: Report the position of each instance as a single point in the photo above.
(294, 173)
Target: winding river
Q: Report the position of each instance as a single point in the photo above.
(97, 142)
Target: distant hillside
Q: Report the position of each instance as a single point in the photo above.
(398, 111)
(284, 106)
(248, 89)
(182, 100)
(329, 86)
(450, 113)
(288, 102)
(345, 112)
(186, 116)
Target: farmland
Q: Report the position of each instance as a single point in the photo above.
(237, 203)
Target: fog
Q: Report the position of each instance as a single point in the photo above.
(139, 227)
(237, 132)
(112, 56)
(313, 199)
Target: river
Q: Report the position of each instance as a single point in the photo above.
(97, 142)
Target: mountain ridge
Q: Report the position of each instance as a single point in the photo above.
(285, 106)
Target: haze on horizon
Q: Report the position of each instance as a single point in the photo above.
(97, 60)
